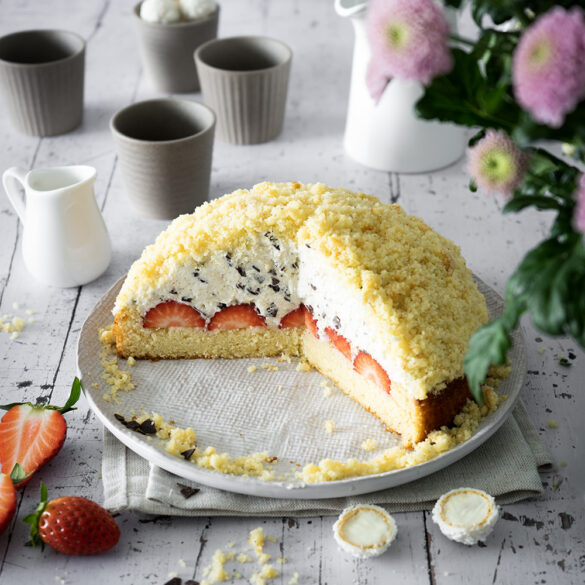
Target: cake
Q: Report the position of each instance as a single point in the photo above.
(372, 297)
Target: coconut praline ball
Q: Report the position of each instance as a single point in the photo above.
(466, 515)
(364, 531)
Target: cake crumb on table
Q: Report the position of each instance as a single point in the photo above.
(294, 580)
(329, 427)
(251, 369)
(551, 423)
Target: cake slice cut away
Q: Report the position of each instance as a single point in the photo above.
(373, 298)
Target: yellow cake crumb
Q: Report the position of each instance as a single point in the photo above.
(244, 558)
(216, 572)
(327, 391)
(329, 427)
(270, 367)
(281, 560)
(256, 539)
(552, 423)
(295, 579)
(251, 369)
(369, 445)
(263, 558)
(304, 366)
(131, 361)
(266, 573)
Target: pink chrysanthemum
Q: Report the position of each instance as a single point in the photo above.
(408, 39)
(496, 164)
(549, 65)
(580, 210)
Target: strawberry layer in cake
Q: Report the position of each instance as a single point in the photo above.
(373, 298)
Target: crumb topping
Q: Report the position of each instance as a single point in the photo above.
(413, 280)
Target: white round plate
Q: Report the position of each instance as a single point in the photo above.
(276, 409)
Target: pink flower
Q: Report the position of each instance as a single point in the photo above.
(580, 210)
(376, 79)
(408, 39)
(549, 65)
(496, 164)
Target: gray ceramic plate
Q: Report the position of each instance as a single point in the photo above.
(282, 412)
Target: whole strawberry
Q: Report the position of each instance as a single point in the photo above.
(72, 525)
(32, 434)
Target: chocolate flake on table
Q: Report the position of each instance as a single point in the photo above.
(187, 454)
(174, 581)
(187, 491)
(191, 582)
(147, 427)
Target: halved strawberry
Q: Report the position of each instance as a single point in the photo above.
(311, 324)
(172, 314)
(339, 342)
(8, 495)
(237, 317)
(365, 365)
(32, 434)
(295, 318)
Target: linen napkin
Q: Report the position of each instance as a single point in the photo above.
(506, 466)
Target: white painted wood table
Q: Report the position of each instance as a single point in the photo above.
(538, 541)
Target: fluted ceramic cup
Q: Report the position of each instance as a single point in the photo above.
(41, 80)
(167, 50)
(245, 81)
(165, 148)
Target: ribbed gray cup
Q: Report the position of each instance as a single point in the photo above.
(41, 80)
(245, 81)
(167, 50)
(165, 148)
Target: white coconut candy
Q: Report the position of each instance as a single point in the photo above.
(466, 515)
(364, 531)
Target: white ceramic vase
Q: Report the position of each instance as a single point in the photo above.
(388, 135)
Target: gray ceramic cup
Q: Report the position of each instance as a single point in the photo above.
(245, 81)
(167, 50)
(41, 80)
(165, 148)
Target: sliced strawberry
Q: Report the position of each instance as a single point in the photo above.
(295, 318)
(339, 342)
(237, 317)
(32, 434)
(365, 365)
(311, 324)
(172, 314)
(7, 501)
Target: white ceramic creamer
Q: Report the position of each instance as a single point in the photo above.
(65, 242)
(389, 136)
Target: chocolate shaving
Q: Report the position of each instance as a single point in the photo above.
(187, 491)
(148, 427)
(187, 454)
(174, 581)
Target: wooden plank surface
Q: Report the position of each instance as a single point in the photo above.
(537, 541)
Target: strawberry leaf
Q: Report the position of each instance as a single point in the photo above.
(73, 398)
(33, 519)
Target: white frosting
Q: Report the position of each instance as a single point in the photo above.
(466, 515)
(162, 11)
(194, 9)
(264, 274)
(364, 531)
(344, 310)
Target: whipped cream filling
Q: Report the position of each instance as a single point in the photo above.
(277, 277)
(264, 274)
(334, 305)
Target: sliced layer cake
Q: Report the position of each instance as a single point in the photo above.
(373, 298)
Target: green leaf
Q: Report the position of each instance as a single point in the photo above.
(73, 397)
(18, 474)
(519, 202)
(489, 345)
(33, 519)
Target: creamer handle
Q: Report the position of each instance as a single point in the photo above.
(15, 196)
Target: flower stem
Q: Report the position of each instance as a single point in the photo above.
(462, 40)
